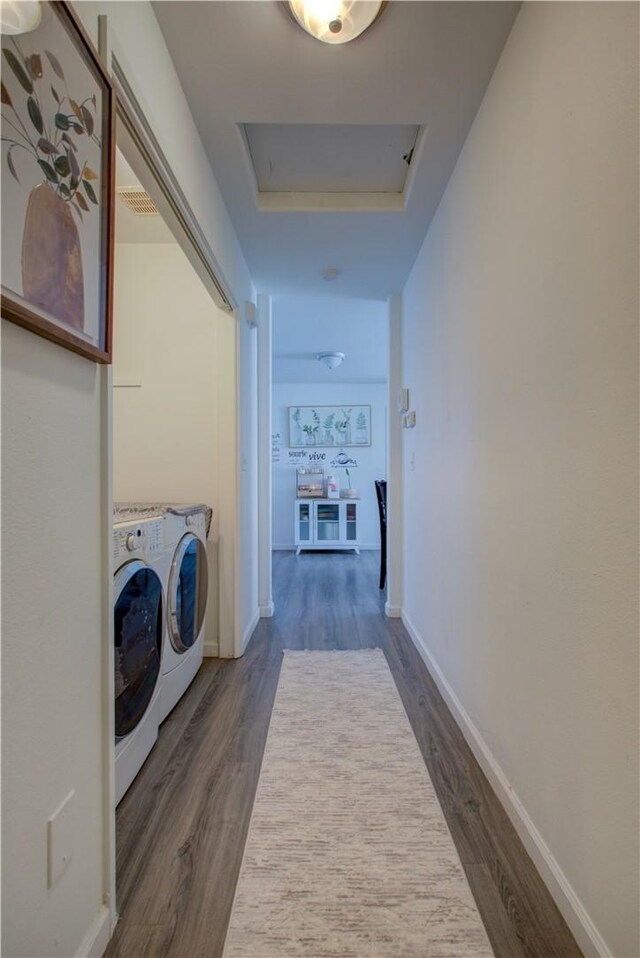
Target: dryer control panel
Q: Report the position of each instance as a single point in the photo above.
(196, 522)
(137, 540)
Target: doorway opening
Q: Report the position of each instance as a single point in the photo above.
(329, 414)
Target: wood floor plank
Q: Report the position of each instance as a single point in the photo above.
(505, 935)
(141, 941)
(181, 828)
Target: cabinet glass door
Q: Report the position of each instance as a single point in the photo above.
(304, 522)
(352, 522)
(327, 522)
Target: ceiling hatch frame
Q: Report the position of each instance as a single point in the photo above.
(296, 201)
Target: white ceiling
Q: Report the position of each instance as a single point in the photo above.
(423, 63)
(306, 325)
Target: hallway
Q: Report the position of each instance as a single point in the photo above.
(181, 829)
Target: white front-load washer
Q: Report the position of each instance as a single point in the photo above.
(188, 577)
(138, 635)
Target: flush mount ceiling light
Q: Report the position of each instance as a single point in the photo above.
(335, 21)
(331, 360)
(330, 273)
(19, 16)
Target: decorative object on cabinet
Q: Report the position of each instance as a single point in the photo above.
(329, 426)
(333, 488)
(58, 197)
(326, 524)
(349, 492)
(310, 483)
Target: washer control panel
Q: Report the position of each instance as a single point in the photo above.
(136, 540)
(155, 537)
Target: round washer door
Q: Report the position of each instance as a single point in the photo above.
(137, 638)
(188, 584)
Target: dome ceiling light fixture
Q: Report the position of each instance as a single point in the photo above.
(331, 360)
(335, 21)
(19, 16)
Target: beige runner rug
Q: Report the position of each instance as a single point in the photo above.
(348, 853)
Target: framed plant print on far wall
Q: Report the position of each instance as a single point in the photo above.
(324, 426)
(58, 184)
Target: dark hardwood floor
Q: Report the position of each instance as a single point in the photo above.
(182, 826)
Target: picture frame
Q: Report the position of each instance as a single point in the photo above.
(58, 185)
(324, 427)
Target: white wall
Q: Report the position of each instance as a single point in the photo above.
(55, 495)
(53, 568)
(520, 349)
(168, 432)
(371, 459)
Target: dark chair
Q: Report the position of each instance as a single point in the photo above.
(381, 495)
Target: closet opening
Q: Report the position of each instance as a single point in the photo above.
(172, 411)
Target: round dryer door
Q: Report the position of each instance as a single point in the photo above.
(187, 598)
(137, 637)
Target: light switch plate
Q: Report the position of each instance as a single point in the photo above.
(403, 400)
(60, 835)
(251, 314)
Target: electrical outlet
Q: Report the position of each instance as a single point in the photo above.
(60, 835)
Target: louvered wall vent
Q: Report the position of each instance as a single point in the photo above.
(138, 201)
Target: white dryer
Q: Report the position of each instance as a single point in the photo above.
(188, 577)
(138, 634)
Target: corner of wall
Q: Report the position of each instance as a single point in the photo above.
(395, 491)
(97, 938)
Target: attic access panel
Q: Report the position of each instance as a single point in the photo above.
(330, 158)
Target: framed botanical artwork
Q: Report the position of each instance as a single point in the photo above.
(329, 426)
(57, 184)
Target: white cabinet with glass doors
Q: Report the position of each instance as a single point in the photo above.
(326, 524)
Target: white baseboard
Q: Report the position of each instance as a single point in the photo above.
(97, 937)
(211, 650)
(266, 611)
(575, 914)
(363, 546)
(393, 611)
(250, 630)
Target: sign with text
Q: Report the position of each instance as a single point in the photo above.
(305, 457)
